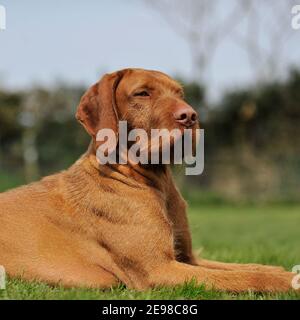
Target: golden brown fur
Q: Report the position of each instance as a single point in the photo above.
(98, 225)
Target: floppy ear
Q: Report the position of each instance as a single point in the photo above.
(97, 109)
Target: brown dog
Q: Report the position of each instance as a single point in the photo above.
(98, 225)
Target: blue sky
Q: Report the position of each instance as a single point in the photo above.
(76, 41)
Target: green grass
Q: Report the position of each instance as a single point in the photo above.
(9, 181)
(260, 234)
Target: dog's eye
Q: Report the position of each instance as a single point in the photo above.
(143, 93)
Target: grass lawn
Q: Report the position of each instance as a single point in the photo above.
(260, 234)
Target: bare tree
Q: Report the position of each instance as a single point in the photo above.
(35, 108)
(204, 23)
(40, 105)
(264, 36)
(262, 28)
(30, 120)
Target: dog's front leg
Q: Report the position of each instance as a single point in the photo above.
(183, 243)
(210, 264)
(174, 273)
(181, 232)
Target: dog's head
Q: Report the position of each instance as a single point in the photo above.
(145, 99)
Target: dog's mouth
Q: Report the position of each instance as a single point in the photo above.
(190, 124)
(175, 144)
(187, 126)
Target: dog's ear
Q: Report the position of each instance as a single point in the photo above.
(97, 109)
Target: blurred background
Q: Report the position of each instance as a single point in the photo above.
(239, 61)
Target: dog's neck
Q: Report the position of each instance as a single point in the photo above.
(147, 175)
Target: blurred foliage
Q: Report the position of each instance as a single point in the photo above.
(252, 137)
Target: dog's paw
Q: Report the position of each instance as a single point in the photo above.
(276, 282)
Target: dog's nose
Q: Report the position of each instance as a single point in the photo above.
(186, 116)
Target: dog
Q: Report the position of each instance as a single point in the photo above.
(98, 225)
